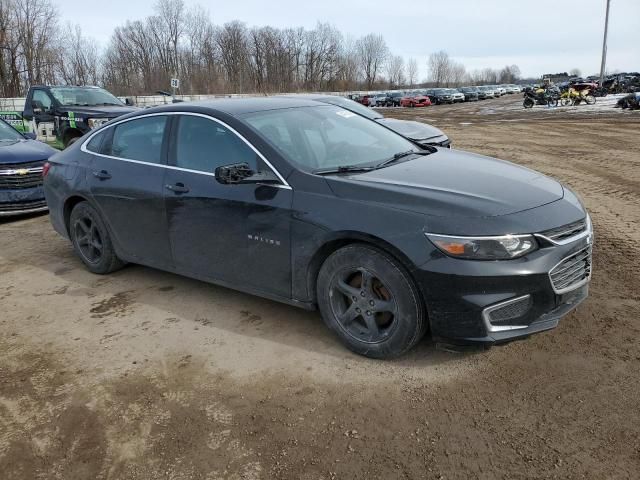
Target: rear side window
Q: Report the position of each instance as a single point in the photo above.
(204, 145)
(139, 139)
(95, 143)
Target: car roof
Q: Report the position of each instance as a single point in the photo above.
(236, 106)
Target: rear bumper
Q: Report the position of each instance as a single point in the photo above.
(21, 201)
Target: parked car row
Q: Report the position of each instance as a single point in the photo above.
(434, 96)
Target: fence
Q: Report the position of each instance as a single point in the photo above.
(17, 104)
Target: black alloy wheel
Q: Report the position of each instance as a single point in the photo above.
(369, 300)
(363, 305)
(88, 238)
(91, 240)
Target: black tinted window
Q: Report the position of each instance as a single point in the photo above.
(95, 143)
(204, 145)
(139, 139)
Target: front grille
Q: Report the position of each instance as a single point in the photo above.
(22, 206)
(21, 175)
(566, 231)
(573, 271)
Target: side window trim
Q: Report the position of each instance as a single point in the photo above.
(169, 145)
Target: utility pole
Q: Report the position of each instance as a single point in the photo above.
(604, 44)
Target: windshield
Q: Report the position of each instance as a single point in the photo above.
(84, 96)
(351, 105)
(8, 133)
(326, 137)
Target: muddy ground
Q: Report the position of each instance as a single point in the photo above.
(148, 375)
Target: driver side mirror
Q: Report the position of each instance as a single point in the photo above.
(237, 173)
(37, 106)
(30, 135)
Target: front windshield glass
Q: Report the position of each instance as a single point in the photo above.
(84, 96)
(326, 137)
(8, 134)
(351, 105)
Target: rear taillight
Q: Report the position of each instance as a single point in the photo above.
(45, 169)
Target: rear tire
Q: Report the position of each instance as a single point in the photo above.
(91, 240)
(71, 141)
(370, 302)
(528, 103)
(590, 99)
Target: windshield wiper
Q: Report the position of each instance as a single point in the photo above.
(343, 169)
(400, 155)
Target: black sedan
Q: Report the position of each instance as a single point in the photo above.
(316, 206)
(419, 132)
(21, 162)
(470, 94)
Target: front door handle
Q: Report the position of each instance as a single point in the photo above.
(177, 188)
(102, 175)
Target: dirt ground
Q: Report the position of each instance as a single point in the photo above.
(148, 375)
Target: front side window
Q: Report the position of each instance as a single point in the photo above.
(42, 100)
(204, 145)
(139, 139)
(327, 137)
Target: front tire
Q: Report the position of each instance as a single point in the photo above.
(370, 302)
(528, 103)
(91, 240)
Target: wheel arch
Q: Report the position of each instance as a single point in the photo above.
(69, 203)
(342, 239)
(70, 133)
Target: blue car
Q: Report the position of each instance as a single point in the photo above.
(21, 162)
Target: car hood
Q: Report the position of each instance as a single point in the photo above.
(24, 151)
(451, 183)
(109, 111)
(411, 129)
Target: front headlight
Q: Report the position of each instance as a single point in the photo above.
(97, 122)
(503, 247)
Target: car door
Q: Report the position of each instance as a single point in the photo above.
(232, 233)
(125, 180)
(38, 112)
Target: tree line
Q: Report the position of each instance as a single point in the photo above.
(176, 41)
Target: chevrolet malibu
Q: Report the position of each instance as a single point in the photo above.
(316, 206)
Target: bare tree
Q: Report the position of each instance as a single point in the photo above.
(372, 52)
(412, 71)
(439, 67)
(78, 59)
(37, 22)
(509, 74)
(232, 42)
(395, 70)
(457, 74)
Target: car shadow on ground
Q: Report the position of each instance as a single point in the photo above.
(206, 304)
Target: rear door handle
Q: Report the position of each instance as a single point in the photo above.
(177, 188)
(102, 175)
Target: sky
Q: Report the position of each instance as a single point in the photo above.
(541, 36)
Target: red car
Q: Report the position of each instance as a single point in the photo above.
(364, 100)
(415, 101)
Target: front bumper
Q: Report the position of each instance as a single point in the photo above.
(461, 294)
(22, 201)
